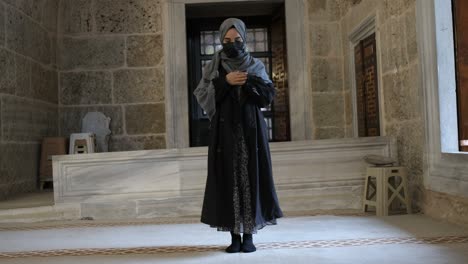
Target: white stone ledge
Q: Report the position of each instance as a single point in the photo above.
(309, 175)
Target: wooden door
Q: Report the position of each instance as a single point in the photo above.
(365, 59)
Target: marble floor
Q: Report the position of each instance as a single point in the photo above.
(308, 239)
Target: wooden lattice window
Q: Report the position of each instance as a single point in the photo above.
(365, 59)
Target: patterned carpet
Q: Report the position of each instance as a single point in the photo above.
(260, 246)
(97, 224)
(429, 237)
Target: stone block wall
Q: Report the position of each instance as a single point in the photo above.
(111, 59)
(326, 64)
(401, 91)
(331, 23)
(400, 80)
(28, 89)
(445, 206)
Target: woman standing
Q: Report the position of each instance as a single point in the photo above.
(240, 195)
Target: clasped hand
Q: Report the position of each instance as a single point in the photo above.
(236, 78)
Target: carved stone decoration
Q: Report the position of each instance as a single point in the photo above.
(97, 123)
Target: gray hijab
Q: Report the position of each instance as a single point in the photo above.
(205, 91)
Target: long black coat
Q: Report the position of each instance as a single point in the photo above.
(218, 208)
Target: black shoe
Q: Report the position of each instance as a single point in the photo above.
(235, 246)
(247, 243)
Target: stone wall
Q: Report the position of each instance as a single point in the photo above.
(447, 207)
(326, 64)
(399, 79)
(110, 59)
(331, 23)
(28, 89)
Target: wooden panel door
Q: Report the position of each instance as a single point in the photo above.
(461, 60)
(365, 59)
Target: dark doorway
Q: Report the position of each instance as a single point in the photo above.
(265, 24)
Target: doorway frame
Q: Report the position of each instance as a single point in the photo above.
(366, 28)
(176, 69)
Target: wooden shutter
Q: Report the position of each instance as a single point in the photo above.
(365, 59)
(461, 61)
